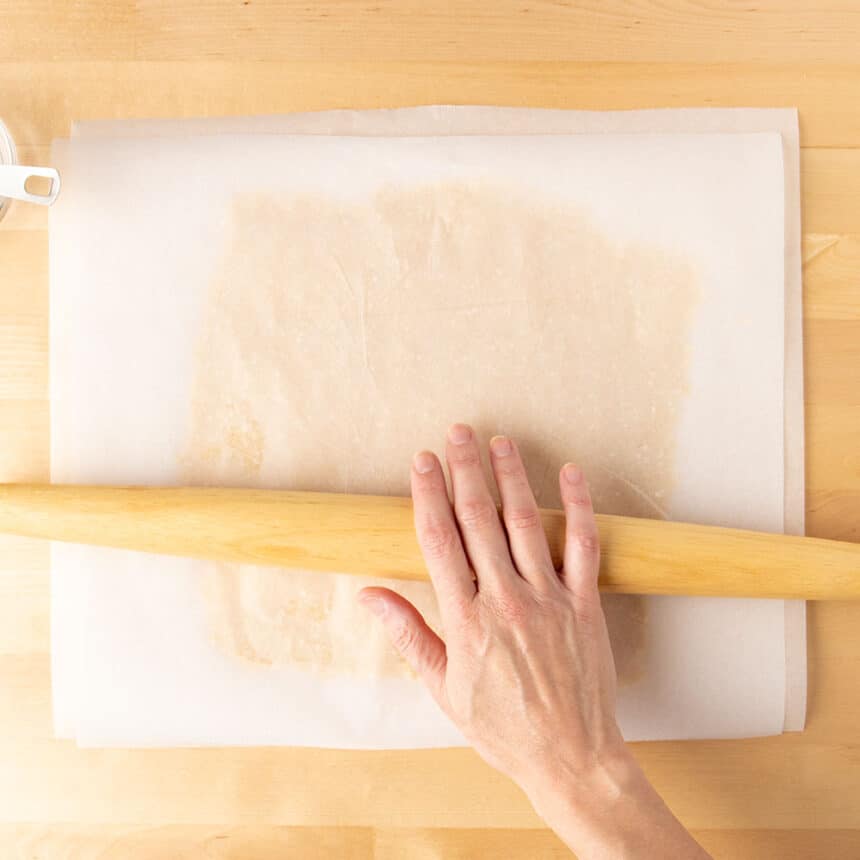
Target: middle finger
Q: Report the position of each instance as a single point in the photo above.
(477, 517)
(521, 516)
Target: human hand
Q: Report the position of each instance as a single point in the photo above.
(526, 659)
(525, 669)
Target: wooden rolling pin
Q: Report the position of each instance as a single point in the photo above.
(373, 535)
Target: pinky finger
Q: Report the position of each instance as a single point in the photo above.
(581, 538)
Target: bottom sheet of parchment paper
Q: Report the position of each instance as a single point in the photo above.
(322, 362)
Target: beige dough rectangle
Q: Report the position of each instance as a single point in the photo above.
(395, 332)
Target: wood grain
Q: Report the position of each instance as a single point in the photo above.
(71, 842)
(831, 277)
(631, 30)
(19, 555)
(830, 186)
(792, 797)
(21, 422)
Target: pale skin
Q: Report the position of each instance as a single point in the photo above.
(525, 668)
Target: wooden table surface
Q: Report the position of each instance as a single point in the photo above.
(791, 796)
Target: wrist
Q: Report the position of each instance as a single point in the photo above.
(571, 787)
(610, 810)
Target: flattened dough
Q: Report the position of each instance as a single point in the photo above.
(340, 337)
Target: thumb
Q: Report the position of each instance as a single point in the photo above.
(410, 634)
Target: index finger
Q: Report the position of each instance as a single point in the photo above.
(439, 537)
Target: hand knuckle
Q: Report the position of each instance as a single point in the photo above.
(507, 607)
(476, 514)
(404, 638)
(522, 518)
(586, 542)
(433, 661)
(586, 610)
(465, 457)
(553, 604)
(437, 541)
(512, 473)
(578, 502)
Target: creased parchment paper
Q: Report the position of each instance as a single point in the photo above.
(282, 353)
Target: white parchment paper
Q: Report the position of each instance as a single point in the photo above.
(121, 317)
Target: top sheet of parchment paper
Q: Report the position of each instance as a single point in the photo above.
(267, 380)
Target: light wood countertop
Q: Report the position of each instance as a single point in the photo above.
(794, 796)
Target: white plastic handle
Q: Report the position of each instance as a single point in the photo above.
(13, 179)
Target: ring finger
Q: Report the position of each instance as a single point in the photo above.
(520, 514)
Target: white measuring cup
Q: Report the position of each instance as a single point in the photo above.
(14, 177)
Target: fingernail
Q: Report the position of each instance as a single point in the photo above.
(424, 462)
(459, 434)
(572, 473)
(501, 446)
(374, 605)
